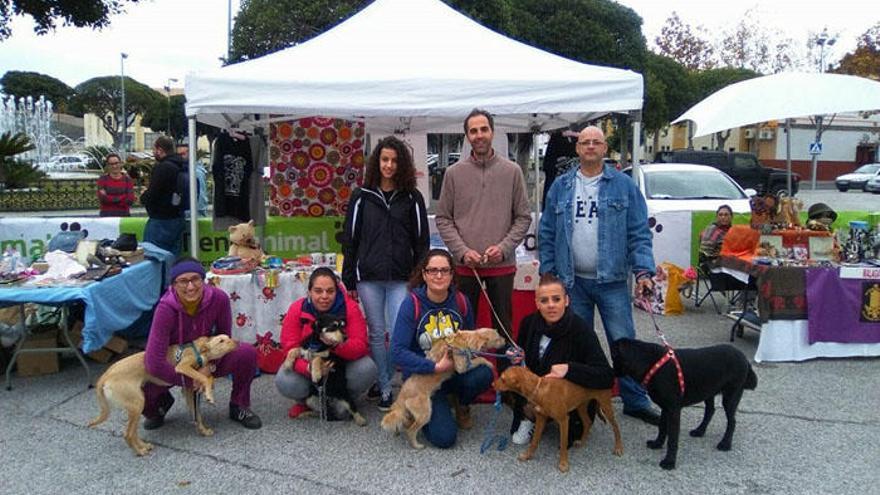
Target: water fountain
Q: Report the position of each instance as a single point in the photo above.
(34, 119)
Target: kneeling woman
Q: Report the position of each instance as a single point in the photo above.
(435, 310)
(557, 344)
(325, 296)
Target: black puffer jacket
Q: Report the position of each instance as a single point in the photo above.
(383, 240)
(163, 184)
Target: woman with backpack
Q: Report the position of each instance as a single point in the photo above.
(434, 310)
(386, 227)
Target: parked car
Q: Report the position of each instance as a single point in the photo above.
(858, 178)
(689, 187)
(873, 185)
(67, 163)
(744, 168)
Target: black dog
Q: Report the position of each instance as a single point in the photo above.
(708, 371)
(338, 400)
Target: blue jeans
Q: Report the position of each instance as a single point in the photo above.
(381, 300)
(615, 309)
(167, 233)
(442, 429)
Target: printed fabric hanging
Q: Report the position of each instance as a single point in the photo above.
(315, 163)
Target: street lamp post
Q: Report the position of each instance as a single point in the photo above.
(123, 148)
(168, 100)
(823, 40)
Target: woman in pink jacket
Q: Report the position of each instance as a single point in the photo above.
(326, 295)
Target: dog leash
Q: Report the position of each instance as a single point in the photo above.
(492, 307)
(491, 437)
(669, 355)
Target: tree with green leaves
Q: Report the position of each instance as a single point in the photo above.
(266, 26)
(669, 92)
(102, 97)
(47, 14)
(751, 45)
(22, 84)
(684, 44)
(709, 81)
(864, 61)
(14, 173)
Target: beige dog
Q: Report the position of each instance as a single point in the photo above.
(412, 409)
(122, 384)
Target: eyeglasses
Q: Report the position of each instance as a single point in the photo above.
(591, 142)
(438, 271)
(113, 163)
(183, 282)
(319, 291)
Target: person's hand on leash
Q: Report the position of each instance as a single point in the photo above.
(557, 371)
(645, 286)
(472, 258)
(493, 254)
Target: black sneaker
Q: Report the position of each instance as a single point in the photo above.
(647, 415)
(385, 402)
(245, 416)
(154, 423)
(374, 393)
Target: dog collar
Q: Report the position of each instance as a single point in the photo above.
(179, 354)
(669, 355)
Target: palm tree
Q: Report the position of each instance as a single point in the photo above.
(14, 173)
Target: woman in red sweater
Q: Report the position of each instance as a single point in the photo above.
(326, 295)
(115, 189)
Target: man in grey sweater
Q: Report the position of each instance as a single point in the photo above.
(482, 216)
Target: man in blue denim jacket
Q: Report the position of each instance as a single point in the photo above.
(593, 234)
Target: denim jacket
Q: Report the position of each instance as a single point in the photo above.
(624, 237)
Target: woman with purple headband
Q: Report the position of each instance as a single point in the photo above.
(190, 309)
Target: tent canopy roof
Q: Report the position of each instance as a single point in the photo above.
(412, 65)
(781, 96)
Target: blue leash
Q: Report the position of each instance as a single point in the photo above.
(491, 437)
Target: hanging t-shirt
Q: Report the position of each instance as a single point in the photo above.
(585, 238)
(231, 168)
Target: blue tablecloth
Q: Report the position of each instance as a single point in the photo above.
(112, 304)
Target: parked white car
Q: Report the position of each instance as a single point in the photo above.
(873, 185)
(688, 187)
(858, 177)
(66, 163)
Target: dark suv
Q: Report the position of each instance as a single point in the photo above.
(744, 168)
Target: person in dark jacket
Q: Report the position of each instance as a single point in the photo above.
(386, 231)
(165, 226)
(557, 343)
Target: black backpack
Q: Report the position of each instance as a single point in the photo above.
(180, 198)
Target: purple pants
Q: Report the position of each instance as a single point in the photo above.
(240, 363)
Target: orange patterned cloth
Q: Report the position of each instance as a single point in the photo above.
(740, 241)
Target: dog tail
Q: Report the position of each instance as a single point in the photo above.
(393, 419)
(751, 379)
(102, 403)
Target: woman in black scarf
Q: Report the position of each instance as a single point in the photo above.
(557, 344)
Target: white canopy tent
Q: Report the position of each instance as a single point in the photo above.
(407, 66)
(782, 96)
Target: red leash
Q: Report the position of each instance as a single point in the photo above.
(668, 356)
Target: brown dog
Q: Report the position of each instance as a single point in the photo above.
(555, 398)
(122, 384)
(412, 409)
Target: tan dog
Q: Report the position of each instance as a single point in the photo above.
(122, 384)
(412, 409)
(555, 398)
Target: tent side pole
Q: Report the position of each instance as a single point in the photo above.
(788, 154)
(537, 170)
(637, 145)
(193, 194)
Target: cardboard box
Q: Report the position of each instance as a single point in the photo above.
(38, 363)
(117, 344)
(102, 355)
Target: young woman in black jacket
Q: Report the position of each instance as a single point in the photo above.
(386, 234)
(557, 343)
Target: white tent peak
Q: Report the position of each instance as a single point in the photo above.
(781, 96)
(419, 62)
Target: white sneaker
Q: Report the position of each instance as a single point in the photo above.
(523, 434)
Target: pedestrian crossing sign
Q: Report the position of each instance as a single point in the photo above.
(815, 148)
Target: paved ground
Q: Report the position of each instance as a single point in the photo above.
(809, 427)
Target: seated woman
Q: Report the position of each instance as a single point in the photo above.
(434, 310)
(557, 343)
(713, 235)
(189, 310)
(326, 295)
